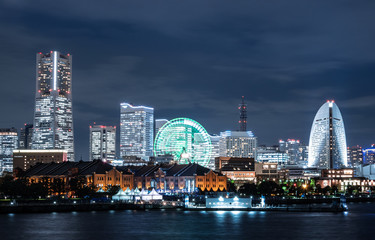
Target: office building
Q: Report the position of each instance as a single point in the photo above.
(369, 155)
(26, 134)
(280, 158)
(240, 170)
(53, 117)
(215, 152)
(8, 143)
(136, 131)
(355, 156)
(238, 144)
(102, 143)
(293, 173)
(295, 150)
(266, 171)
(25, 158)
(327, 147)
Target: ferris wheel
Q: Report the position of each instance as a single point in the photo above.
(186, 140)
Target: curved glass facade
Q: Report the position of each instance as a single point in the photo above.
(327, 147)
(186, 140)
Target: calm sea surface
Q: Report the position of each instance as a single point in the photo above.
(358, 223)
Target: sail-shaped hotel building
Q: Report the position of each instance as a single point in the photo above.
(327, 146)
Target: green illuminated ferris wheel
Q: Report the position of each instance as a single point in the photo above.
(186, 140)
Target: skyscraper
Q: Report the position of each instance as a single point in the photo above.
(136, 131)
(26, 135)
(102, 142)
(327, 147)
(8, 143)
(53, 118)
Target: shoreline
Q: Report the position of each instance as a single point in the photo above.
(154, 207)
(282, 205)
(322, 204)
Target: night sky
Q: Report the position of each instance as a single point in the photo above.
(196, 59)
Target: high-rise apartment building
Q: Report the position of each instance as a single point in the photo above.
(26, 134)
(355, 156)
(136, 131)
(8, 143)
(53, 118)
(238, 144)
(102, 143)
(327, 147)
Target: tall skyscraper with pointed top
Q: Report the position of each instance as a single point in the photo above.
(327, 147)
(243, 115)
(53, 116)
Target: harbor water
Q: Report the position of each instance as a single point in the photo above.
(357, 223)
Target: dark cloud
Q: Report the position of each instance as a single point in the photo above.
(196, 59)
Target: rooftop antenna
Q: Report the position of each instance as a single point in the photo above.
(243, 115)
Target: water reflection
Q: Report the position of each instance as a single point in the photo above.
(353, 224)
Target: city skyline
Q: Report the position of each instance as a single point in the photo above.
(171, 65)
(193, 119)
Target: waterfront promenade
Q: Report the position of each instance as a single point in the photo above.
(273, 204)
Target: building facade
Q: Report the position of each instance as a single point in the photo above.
(177, 178)
(344, 178)
(53, 116)
(295, 150)
(26, 134)
(136, 131)
(327, 147)
(215, 152)
(102, 143)
(25, 158)
(369, 155)
(273, 157)
(95, 173)
(266, 171)
(355, 156)
(238, 144)
(8, 143)
(240, 170)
